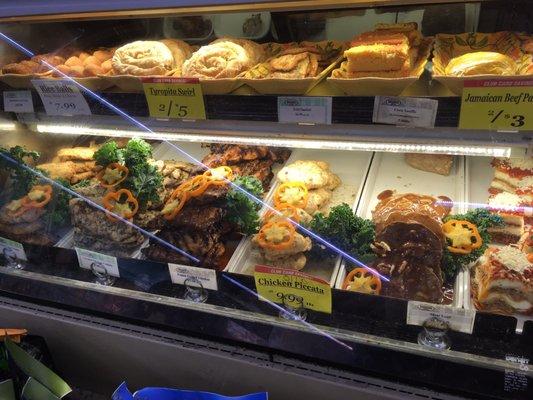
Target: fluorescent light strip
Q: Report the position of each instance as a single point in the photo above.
(282, 142)
(8, 126)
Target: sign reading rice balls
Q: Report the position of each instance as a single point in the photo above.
(180, 98)
(292, 289)
(61, 97)
(502, 104)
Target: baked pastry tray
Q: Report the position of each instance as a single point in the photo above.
(384, 86)
(479, 174)
(389, 171)
(352, 168)
(448, 46)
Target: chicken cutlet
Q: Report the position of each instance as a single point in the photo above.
(314, 174)
(299, 244)
(71, 171)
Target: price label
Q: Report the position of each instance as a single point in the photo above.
(12, 249)
(180, 98)
(458, 319)
(180, 273)
(19, 101)
(501, 104)
(405, 111)
(279, 285)
(311, 110)
(92, 260)
(516, 380)
(61, 97)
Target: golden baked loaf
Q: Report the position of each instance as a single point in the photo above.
(409, 29)
(436, 163)
(143, 58)
(222, 59)
(481, 63)
(374, 51)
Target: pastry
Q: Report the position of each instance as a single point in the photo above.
(255, 51)
(143, 58)
(436, 163)
(481, 63)
(293, 63)
(181, 51)
(25, 67)
(409, 29)
(377, 52)
(223, 59)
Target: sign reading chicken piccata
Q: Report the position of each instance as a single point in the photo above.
(180, 98)
(498, 104)
(285, 286)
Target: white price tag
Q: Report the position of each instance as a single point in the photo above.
(90, 260)
(405, 111)
(207, 277)
(61, 97)
(312, 110)
(516, 381)
(12, 249)
(458, 319)
(18, 101)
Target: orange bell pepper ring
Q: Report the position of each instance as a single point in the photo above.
(286, 210)
(39, 196)
(112, 175)
(462, 236)
(174, 205)
(16, 208)
(276, 235)
(219, 175)
(112, 202)
(195, 186)
(363, 281)
(293, 193)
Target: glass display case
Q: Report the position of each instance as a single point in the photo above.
(347, 182)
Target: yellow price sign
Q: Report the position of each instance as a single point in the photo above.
(174, 98)
(292, 288)
(501, 104)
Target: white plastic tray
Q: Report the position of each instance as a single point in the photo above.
(352, 168)
(389, 171)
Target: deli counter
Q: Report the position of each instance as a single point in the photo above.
(347, 184)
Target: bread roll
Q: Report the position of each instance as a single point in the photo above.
(481, 63)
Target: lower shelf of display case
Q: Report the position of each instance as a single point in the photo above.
(320, 339)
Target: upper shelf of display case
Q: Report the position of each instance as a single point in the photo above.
(34, 10)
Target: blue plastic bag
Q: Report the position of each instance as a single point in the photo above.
(122, 393)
